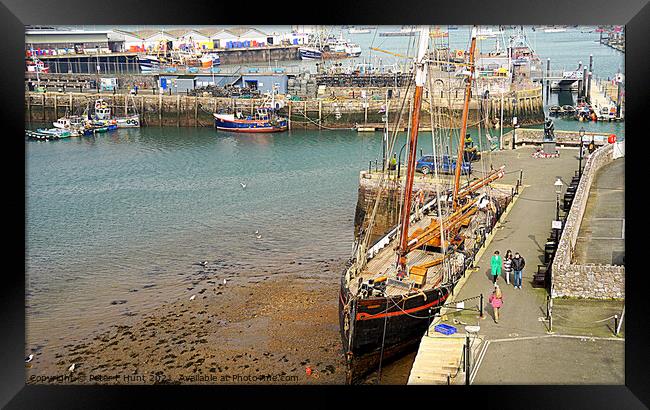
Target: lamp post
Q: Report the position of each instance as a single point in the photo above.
(558, 190)
(514, 122)
(582, 134)
(399, 161)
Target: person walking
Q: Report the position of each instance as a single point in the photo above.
(496, 263)
(518, 264)
(496, 300)
(507, 265)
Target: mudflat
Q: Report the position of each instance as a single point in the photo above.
(283, 330)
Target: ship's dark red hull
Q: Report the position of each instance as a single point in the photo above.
(362, 324)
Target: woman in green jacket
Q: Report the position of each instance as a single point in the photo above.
(495, 264)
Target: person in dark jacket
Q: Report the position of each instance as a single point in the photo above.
(518, 264)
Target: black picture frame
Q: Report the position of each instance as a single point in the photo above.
(15, 14)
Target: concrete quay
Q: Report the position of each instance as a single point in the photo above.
(580, 348)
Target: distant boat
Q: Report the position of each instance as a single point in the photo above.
(310, 53)
(210, 60)
(486, 33)
(405, 31)
(70, 122)
(358, 30)
(555, 30)
(263, 121)
(148, 63)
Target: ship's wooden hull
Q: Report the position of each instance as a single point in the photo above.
(362, 323)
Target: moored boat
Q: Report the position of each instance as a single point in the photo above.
(310, 53)
(264, 120)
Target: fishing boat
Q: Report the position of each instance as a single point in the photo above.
(405, 31)
(310, 53)
(149, 63)
(264, 120)
(70, 122)
(389, 290)
(354, 30)
(102, 116)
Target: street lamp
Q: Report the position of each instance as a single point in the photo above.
(514, 121)
(582, 134)
(558, 190)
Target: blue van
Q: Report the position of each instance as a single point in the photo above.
(445, 165)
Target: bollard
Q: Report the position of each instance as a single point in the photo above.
(370, 167)
(429, 322)
(548, 313)
(482, 316)
(615, 325)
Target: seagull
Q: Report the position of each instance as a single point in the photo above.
(224, 281)
(258, 236)
(71, 368)
(204, 263)
(193, 297)
(256, 232)
(29, 359)
(242, 185)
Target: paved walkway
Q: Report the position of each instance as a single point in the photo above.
(525, 229)
(601, 238)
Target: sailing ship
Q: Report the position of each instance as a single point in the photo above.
(389, 290)
(264, 120)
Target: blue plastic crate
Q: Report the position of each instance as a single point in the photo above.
(445, 329)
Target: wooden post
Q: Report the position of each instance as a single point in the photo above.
(252, 107)
(43, 104)
(70, 103)
(56, 108)
(196, 111)
(320, 113)
(178, 110)
(365, 115)
(160, 110)
(126, 101)
(306, 116)
(29, 107)
(142, 109)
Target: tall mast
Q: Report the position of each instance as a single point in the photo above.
(463, 129)
(420, 78)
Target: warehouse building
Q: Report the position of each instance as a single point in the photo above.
(57, 42)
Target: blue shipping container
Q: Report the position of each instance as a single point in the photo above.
(295, 41)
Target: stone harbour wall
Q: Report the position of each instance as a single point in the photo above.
(589, 280)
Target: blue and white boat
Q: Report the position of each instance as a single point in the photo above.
(310, 53)
(149, 63)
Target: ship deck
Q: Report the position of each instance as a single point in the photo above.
(384, 262)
